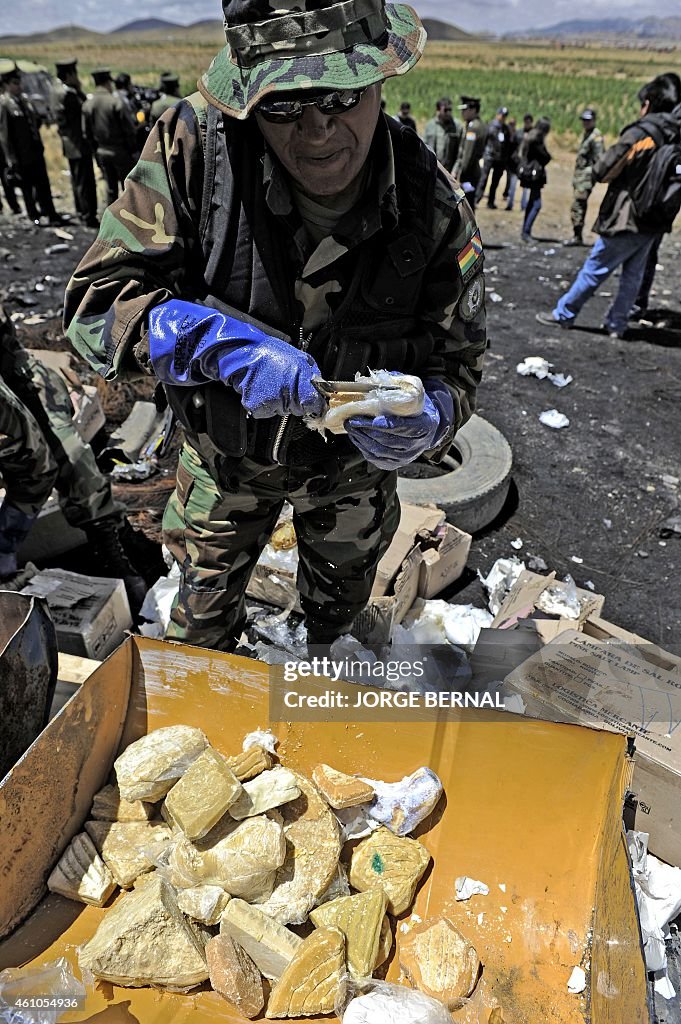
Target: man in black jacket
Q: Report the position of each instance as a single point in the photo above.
(624, 240)
(67, 102)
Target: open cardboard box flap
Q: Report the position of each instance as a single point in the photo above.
(515, 816)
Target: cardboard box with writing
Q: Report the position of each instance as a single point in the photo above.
(90, 613)
(633, 689)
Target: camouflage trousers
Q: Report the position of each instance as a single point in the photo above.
(344, 517)
(46, 450)
(580, 199)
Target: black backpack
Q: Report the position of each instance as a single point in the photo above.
(656, 191)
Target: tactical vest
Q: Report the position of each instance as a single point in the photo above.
(246, 265)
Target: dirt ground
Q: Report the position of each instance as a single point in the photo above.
(591, 498)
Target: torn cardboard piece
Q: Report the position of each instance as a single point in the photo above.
(531, 591)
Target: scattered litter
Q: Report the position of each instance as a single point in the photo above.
(607, 523)
(38, 287)
(133, 472)
(642, 554)
(504, 910)
(560, 599)
(577, 981)
(502, 886)
(52, 250)
(481, 916)
(670, 481)
(496, 297)
(536, 563)
(549, 252)
(658, 894)
(499, 580)
(517, 544)
(158, 603)
(438, 622)
(589, 584)
(553, 418)
(63, 233)
(577, 559)
(671, 527)
(467, 887)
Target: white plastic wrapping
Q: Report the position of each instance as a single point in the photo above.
(53, 981)
(397, 394)
(382, 1003)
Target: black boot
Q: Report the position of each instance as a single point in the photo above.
(109, 559)
(144, 554)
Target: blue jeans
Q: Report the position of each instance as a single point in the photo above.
(532, 210)
(628, 250)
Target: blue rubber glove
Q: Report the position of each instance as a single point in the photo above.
(390, 442)
(192, 344)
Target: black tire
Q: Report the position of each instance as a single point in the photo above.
(474, 490)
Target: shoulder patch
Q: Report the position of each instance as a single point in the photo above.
(470, 258)
(472, 299)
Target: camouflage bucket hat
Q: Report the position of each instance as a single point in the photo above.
(308, 44)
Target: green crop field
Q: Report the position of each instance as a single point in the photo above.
(545, 80)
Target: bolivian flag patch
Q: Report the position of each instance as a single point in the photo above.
(470, 258)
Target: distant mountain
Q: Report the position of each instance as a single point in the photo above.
(57, 35)
(637, 28)
(442, 31)
(147, 25)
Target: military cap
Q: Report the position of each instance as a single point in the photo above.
(292, 45)
(588, 115)
(168, 80)
(65, 66)
(8, 69)
(101, 75)
(469, 101)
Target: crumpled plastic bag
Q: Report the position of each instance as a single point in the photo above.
(54, 980)
(499, 580)
(382, 1003)
(658, 895)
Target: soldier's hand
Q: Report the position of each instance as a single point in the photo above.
(190, 344)
(390, 442)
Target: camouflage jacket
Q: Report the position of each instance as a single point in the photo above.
(591, 148)
(473, 142)
(152, 245)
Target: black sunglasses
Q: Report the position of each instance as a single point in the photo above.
(279, 111)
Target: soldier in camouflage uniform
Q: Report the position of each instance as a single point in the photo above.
(591, 148)
(169, 85)
(67, 105)
(279, 228)
(467, 168)
(39, 449)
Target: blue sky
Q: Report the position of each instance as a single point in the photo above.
(492, 15)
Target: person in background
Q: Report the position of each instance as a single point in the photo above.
(67, 105)
(442, 133)
(138, 105)
(528, 122)
(404, 116)
(495, 157)
(169, 86)
(8, 185)
(41, 449)
(591, 149)
(473, 140)
(110, 129)
(532, 160)
(511, 176)
(23, 149)
(624, 240)
(329, 241)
